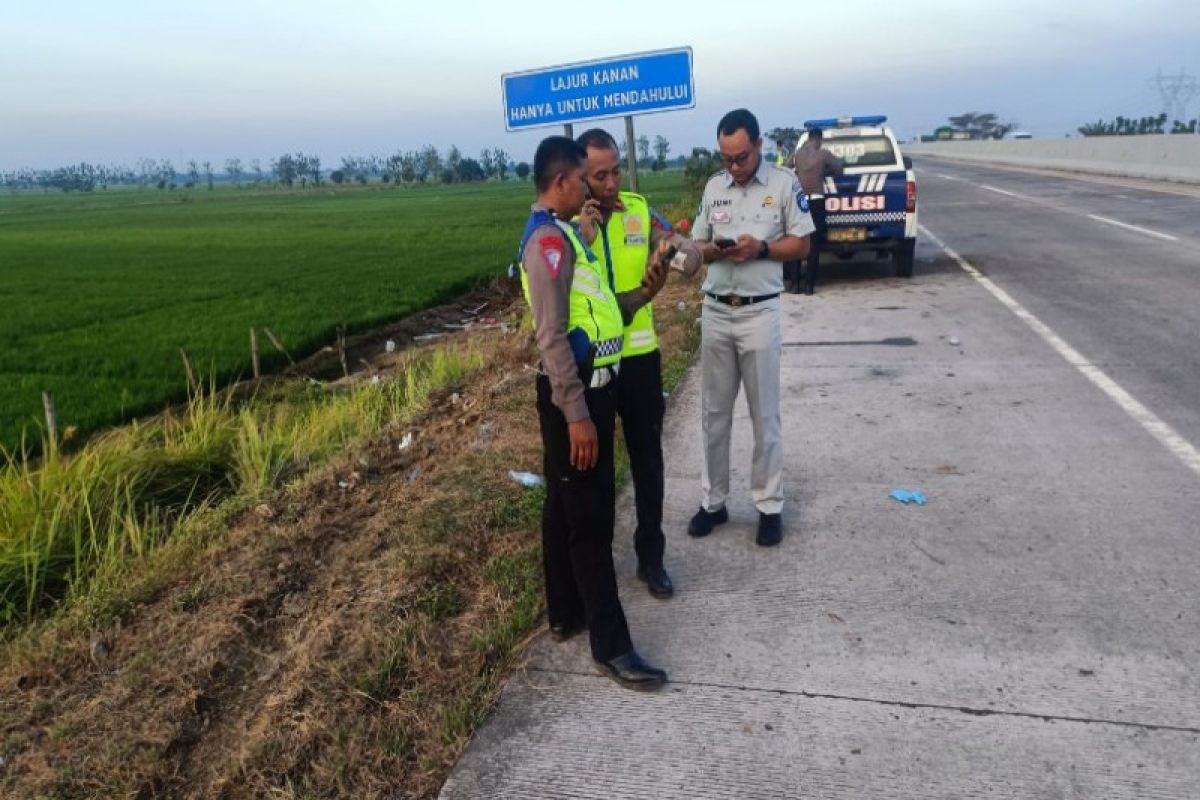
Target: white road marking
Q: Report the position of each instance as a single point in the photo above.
(1004, 192)
(1184, 450)
(1129, 227)
(947, 177)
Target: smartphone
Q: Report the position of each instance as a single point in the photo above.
(725, 244)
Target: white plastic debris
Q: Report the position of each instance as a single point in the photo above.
(376, 379)
(954, 342)
(406, 442)
(527, 479)
(389, 346)
(682, 306)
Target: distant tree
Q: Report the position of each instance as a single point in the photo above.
(233, 168)
(447, 175)
(522, 170)
(430, 165)
(313, 165)
(285, 170)
(208, 173)
(980, 126)
(408, 166)
(643, 149)
(701, 166)
(257, 170)
(501, 161)
(784, 139)
(193, 174)
(470, 170)
(486, 162)
(337, 176)
(661, 148)
(453, 159)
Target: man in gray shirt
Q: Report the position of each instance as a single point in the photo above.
(813, 164)
(753, 216)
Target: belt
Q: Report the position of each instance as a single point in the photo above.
(603, 376)
(737, 300)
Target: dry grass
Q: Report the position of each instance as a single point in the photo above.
(343, 639)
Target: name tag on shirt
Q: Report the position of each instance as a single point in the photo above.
(635, 239)
(718, 215)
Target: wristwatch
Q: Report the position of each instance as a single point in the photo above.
(764, 249)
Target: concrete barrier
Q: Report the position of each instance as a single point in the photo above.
(1172, 157)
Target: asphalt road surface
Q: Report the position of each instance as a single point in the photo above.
(1032, 632)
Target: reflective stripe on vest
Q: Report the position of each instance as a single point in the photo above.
(593, 313)
(626, 238)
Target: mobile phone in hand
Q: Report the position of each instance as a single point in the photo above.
(724, 243)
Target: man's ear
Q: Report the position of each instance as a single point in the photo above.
(758, 144)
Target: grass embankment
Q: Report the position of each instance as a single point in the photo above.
(310, 631)
(100, 291)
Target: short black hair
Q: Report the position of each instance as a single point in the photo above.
(554, 156)
(597, 139)
(816, 133)
(740, 119)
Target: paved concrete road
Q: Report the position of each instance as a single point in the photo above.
(1033, 632)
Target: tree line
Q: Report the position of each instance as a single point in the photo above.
(1129, 126)
(426, 165)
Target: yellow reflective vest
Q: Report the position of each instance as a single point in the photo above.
(594, 326)
(624, 242)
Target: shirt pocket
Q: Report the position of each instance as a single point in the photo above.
(765, 224)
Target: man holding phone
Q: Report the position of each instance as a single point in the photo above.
(755, 215)
(635, 243)
(578, 323)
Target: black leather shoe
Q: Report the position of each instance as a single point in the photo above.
(703, 523)
(770, 529)
(632, 672)
(657, 581)
(562, 631)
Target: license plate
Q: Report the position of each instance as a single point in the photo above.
(847, 234)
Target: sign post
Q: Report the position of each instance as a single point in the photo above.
(621, 86)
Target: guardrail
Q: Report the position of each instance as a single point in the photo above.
(1171, 157)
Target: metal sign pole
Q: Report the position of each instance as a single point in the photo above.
(569, 130)
(631, 149)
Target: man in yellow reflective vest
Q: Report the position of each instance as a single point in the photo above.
(579, 328)
(628, 237)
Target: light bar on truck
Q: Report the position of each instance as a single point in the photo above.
(845, 122)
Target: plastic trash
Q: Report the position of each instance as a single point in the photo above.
(412, 476)
(906, 496)
(954, 342)
(389, 346)
(527, 479)
(406, 442)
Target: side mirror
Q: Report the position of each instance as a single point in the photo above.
(907, 162)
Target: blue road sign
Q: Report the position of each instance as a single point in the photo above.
(613, 87)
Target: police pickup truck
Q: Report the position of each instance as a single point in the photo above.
(873, 205)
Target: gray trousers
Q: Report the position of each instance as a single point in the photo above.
(741, 347)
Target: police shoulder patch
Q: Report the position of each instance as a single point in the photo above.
(553, 250)
(802, 201)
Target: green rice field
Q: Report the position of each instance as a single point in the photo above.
(99, 291)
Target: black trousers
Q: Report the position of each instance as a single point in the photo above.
(816, 207)
(577, 526)
(641, 407)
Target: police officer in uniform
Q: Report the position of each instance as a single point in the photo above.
(624, 234)
(579, 323)
(813, 164)
(755, 215)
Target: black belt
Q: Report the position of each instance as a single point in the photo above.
(737, 300)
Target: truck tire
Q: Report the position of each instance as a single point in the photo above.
(902, 257)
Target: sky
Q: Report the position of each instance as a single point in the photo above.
(119, 80)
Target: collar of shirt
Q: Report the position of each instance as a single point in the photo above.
(760, 174)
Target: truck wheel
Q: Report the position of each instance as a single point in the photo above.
(902, 257)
